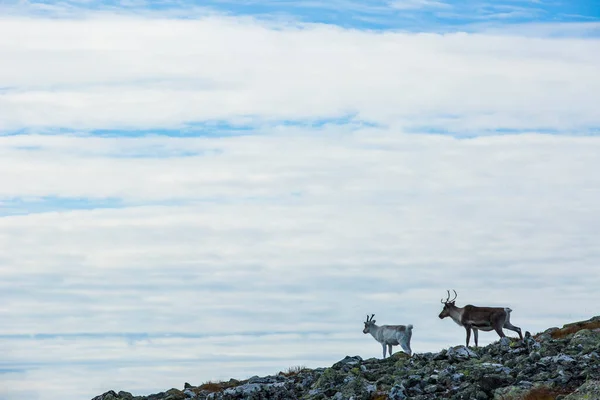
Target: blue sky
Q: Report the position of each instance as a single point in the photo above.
(186, 186)
(412, 15)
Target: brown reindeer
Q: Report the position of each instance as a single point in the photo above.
(478, 318)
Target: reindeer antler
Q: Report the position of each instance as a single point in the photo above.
(447, 298)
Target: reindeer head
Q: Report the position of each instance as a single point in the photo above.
(448, 305)
(369, 323)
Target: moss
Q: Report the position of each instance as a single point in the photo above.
(330, 377)
(175, 394)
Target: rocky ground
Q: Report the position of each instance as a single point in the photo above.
(560, 363)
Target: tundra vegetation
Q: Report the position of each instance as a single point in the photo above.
(559, 363)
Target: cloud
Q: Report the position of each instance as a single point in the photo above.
(288, 222)
(130, 72)
(418, 4)
(283, 239)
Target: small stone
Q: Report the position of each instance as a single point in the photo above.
(460, 353)
(398, 392)
(430, 389)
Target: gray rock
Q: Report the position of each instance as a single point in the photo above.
(460, 353)
(561, 359)
(398, 392)
(502, 370)
(588, 391)
(430, 389)
(243, 389)
(492, 382)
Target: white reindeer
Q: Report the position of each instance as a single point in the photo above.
(390, 335)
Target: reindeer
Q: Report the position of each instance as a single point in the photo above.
(478, 318)
(390, 335)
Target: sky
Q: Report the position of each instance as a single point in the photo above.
(194, 191)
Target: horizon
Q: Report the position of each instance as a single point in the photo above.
(202, 191)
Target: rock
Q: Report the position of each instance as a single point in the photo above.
(398, 392)
(110, 395)
(479, 395)
(585, 340)
(266, 379)
(491, 382)
(589, 390)
(509, 392)
(504, 342)
(559, 364)
(430, 388)
(347, 361)
(561, 359)
(458, 377)
(460, 353)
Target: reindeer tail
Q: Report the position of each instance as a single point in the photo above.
(409, 327)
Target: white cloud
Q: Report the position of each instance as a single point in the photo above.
(373, 205)
(418, 4)
(111, 72)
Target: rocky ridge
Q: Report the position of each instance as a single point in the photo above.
(559, 363)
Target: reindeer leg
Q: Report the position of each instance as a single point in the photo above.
(468, 328)
(390, 349)
(476, 336)
(511, 327)
(498, 329)
(383, 345)
(406, 347)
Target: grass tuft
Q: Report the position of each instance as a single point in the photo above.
(545, 393)
(539, 393)
(219, 386)
(574, 328)
(293, 371)
(212, 387)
